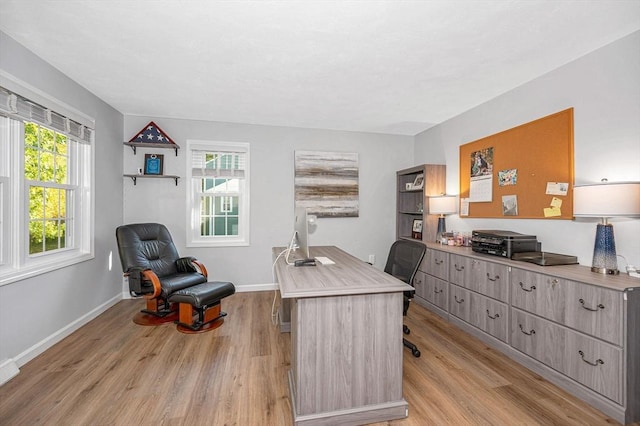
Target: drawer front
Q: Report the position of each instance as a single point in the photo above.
(488, 278)
(596, 311)
(489, 315)
(437, 291)
(436, 263)
(419, 283)
(595, 364)
(540, 294)
(538, 338)
(460, 302)
(461, 269)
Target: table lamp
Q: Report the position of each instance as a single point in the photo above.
(605, 200)
(442, 205)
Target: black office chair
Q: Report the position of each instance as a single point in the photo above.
(403, 261)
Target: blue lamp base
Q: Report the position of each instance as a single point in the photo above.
(605, 260)
(441, 229)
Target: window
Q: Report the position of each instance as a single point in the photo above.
(46, 209)
(218, 199)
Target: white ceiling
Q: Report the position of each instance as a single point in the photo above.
(378, 66)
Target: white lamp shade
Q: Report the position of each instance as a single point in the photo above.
(442, 204)
(607, 199)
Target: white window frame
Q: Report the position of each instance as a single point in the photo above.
(15, 261)
(194, 239)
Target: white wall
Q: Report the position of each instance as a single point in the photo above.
(272, 170)
(36, 312)
(604, 90)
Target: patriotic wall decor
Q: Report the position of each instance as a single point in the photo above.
(151, 133)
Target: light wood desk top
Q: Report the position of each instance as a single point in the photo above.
(349, 275)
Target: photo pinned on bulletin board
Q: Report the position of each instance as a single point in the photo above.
(510, 205)
(507, 177)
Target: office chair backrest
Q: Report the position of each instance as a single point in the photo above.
(404, 258)
(147, 246)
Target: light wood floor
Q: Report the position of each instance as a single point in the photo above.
(113, 372)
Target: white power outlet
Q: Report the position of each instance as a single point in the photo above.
(372, 259)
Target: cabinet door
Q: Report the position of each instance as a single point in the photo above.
(437, 291)
(460, 302)
(489, 315)
(538, 338)
(596, 311)
(541, 294)
(436, 263)
(595, 364)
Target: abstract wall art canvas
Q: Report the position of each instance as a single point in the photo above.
(326, 183)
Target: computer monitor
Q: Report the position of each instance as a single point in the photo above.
(300, 240)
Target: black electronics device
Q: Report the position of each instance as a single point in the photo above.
(503, 243)
(305, 262)
(545, 259)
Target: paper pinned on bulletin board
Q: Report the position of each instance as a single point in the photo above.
(557, 188)
(555, 209)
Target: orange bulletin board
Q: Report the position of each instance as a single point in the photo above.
(528, 164)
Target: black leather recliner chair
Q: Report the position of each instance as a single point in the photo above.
(175, 288)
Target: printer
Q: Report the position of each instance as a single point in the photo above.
(503, 243)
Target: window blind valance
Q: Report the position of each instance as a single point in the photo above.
(15, 106)
(219, 163)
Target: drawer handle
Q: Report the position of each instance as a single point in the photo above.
(489, 315)
(595, 364)
(436, 291)
(600, 306)
(496, 278)
(458, 268)
(532, 332)
(438, 262)
(533, 287)
(456, 299)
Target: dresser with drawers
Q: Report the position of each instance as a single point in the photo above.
(578, 329)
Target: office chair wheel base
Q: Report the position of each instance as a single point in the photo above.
(416, 353)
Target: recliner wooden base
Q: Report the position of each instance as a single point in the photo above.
(155, 314)
(189, 320)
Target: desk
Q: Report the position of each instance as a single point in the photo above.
(346, 340)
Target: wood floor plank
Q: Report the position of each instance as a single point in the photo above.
(114, 372)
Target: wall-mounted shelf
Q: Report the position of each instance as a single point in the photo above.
(135, 145)
(134, 178)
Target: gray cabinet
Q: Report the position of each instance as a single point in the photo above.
(431, 282)
(576, 328)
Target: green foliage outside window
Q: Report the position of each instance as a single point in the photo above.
(46, 170)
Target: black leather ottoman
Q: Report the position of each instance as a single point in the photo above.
(199, 306)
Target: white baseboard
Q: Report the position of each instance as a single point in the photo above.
(56, 337)
(256, 287)
(8, 370)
